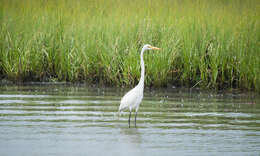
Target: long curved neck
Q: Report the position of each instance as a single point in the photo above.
(141, 82)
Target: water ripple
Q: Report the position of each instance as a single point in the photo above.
(163, 123)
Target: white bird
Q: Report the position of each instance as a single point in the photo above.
(133, 98)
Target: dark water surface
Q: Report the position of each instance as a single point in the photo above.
(77, 120)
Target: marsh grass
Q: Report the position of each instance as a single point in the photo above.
(211, 44)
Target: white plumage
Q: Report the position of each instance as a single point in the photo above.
(132, 99)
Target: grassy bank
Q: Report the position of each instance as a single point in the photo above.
(211, 44)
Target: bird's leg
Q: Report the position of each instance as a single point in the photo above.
(135, 118)
(129, 119)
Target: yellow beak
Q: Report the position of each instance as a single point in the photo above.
(155, 48)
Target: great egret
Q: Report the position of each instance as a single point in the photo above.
(133, 98)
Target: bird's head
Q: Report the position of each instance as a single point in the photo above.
(149, 47)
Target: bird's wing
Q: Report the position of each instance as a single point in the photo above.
(129, 99)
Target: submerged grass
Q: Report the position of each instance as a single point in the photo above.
(211, 44)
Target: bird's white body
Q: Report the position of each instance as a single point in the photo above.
(133, 98)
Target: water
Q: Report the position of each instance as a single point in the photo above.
(76, 120)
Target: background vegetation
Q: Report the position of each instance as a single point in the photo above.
(211, 44)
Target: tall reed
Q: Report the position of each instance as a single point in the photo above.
(211, 44)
